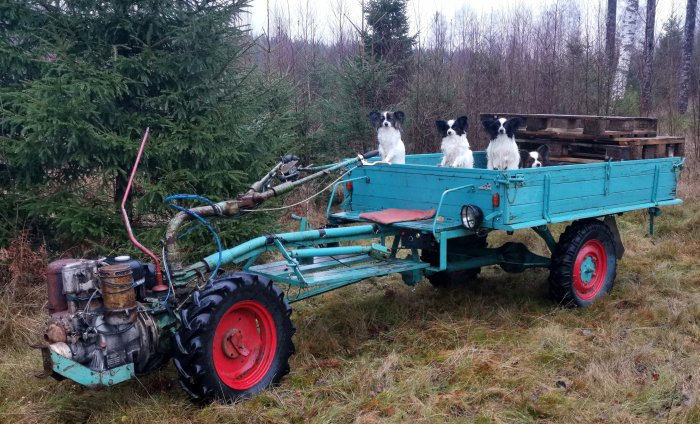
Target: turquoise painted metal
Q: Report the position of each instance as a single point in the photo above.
(87, 377)
(513, 200)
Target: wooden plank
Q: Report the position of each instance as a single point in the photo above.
(566, 116)
(626, 133)
(570, 159)
(635, 152)
(649, 152)
(648, 140)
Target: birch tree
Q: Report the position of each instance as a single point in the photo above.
(628, 33)
(687, 55)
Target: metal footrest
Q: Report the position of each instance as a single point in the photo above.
(334, 270)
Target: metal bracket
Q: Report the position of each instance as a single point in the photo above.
(335, 186)
(442, 198)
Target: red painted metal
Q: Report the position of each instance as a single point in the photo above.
(593, 249)
(159, 287)
(244, 344)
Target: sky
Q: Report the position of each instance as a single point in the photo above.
(420, 11)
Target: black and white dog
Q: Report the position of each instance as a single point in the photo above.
(455, 146)
(388, 126)
(535, 158)
(502, 152)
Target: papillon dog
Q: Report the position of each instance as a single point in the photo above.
(455, 147)
(535, 158)
(388, 126)
(502, 152)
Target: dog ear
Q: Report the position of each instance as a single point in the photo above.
(524, 157)
(488, 123)
(399, 116)
(543, 151)
(375, 117)
(463, 122)
(512, 125)
(442, 126)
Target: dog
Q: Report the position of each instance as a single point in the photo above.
(502, 152)
(535, 158)
(388, 126)
(455, 146)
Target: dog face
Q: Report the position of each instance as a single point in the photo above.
(536, 158)
(500, 126)
(387, 119)
(456, 127)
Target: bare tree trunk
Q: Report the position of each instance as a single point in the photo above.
(628, 34)
(610, 34)
(610, 31)
(687, 55)
(647, 60)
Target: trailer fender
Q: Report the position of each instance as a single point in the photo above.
(610, 221)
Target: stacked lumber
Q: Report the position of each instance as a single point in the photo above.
(587, 138)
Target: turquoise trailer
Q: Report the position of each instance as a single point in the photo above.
(230, 333)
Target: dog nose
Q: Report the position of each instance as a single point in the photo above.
(450, 132)
(386, 124)
(501, 130)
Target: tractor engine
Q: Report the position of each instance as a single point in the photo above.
(96, 317)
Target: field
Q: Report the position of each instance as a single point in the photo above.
(497, 350)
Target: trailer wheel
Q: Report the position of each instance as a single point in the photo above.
(444, 279)
(235, 339)
(584, 263)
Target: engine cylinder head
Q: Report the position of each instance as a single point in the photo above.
(118, 295)
(54, 281)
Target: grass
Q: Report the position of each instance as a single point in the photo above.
(495, 351)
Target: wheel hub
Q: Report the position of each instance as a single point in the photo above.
(244, 344)
(590, 269)
(233, 344)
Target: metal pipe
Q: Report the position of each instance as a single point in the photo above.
(159, 287)
(231, 255)
(245, 201)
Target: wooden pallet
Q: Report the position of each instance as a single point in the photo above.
(595, 138)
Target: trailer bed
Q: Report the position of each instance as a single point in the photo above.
(525, 197)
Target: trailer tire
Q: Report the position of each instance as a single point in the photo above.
(234, 339)
(584, 263)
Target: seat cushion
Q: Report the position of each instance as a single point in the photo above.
(390, 216)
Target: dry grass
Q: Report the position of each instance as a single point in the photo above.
(496, 351)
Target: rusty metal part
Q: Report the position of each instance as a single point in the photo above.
(118, 294)
(58, 328)
(159, 287)
(227, 208)
(54, 285)
(232, 344)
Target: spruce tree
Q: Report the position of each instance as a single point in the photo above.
(80, 80)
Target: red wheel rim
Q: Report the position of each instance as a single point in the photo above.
(590, 269)
(244, 344)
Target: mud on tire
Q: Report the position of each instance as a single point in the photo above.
(235, 339)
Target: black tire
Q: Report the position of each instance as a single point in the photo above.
(591, 243)
(203, 342)
(444, 279)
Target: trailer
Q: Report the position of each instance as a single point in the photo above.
(230, 333)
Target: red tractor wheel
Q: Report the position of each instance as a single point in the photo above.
(235, 339)
(584, 263)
